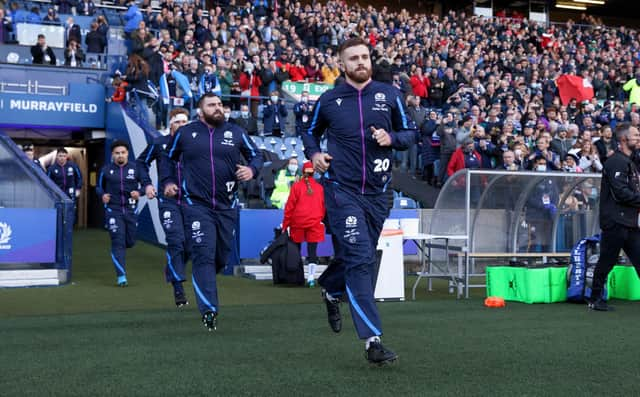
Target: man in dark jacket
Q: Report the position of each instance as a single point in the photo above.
(72, 31)
(119, 187)
(302, 110)
(619, 211)
(94, 40)
(448, 145)
(363, 121)
(274, 115)
(42, 54)
(170, 208)
(246, 120)
(211, 152)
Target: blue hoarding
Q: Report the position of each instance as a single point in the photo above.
(27, 235)
(83, 107)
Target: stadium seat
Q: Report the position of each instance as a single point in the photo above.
(273, 143)
(404, 203)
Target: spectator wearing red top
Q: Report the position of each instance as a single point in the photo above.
(464, 157)
(297, 71)
(303, 215)
(420, 85)
(250, 86)
(313, 71)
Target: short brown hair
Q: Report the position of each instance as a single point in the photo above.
(352, 42)
(178, 111)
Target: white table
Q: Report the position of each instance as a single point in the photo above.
(423, 241)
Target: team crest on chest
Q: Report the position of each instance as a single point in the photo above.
(380, 102)
(228, 138)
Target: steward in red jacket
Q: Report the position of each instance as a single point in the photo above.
(305, 210)
(303, 215)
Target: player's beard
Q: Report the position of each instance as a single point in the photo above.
(216, 119)
(360, 75)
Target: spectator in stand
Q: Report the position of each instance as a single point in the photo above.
(65, 6)
(209, 82)
(464, 157)
(94, 40)
(330, 71)
(246, 120)
(570, 163)
(6, 27)
(509, 161)
(42, 54)
(314, 74)
(225, 78)
(448, 146)
(302, 111)
(420, 86)
(589, 160)
(606, 145)
(561, 144)
(137, 73)
(132, 17)
(34, 16)
(51, 18)
(73, 55)
(274, 115)
(250, 83)
(633, 86)
(72, 31)
(86, 8)
(297, 71)
(435, 90)
(103, 26)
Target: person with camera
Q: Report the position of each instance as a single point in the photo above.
(619, 211)
(73, 55)
(42, 54)
(302, 110)
(274, 115)
(51, 18)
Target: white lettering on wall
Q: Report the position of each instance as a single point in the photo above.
(53, 106)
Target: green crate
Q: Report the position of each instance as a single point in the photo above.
(623, 283)
(506, 282)
(520, 284)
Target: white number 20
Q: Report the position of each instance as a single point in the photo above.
(381, 165)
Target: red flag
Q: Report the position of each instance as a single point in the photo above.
(576, 87)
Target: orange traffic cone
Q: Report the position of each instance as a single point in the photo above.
(494, 301)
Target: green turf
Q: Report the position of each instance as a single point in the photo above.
(91, 338)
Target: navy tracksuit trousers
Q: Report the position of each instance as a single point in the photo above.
(174, 229)
(356, 221)
(211, 235)
(122, 229)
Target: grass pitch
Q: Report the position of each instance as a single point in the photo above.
(91, 338)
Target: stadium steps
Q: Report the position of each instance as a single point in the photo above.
(32, 277)
(263, 272)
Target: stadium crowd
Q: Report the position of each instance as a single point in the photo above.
(465, 78)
